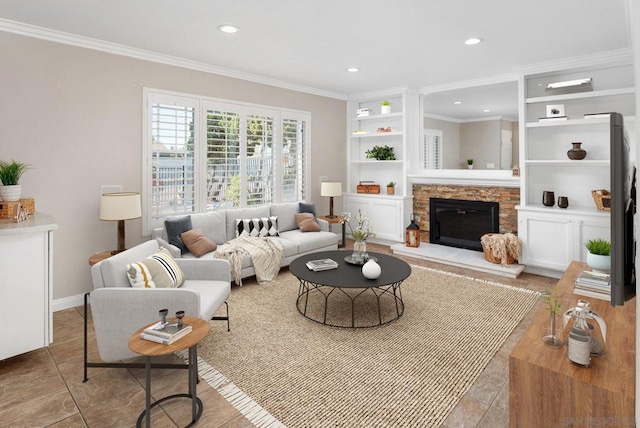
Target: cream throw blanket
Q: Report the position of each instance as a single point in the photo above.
(266, 256)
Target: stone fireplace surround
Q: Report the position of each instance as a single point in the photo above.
(507, 197)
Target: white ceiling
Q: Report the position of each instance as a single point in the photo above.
(410, 43)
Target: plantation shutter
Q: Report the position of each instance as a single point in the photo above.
(431, 149)
(294, 134)
(172, 157)
(223, 159)
(260, 176)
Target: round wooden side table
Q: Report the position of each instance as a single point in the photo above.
(152, 349)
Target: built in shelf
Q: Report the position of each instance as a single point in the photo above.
(372, 161)
(581, 95)
(376, 134)
(377, 116)
(568, 162)
(572, 122)
(570, 211)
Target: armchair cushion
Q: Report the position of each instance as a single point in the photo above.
(159, 270)
(175, 227)
(197, 243)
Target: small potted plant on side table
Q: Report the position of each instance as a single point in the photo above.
(391, 188)
(470, 163)
(599, 254)
(10, 174)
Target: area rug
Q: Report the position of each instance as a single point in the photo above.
(281, 369)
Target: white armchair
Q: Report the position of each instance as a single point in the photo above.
(118, 310)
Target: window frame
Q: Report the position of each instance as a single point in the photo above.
(202, 105)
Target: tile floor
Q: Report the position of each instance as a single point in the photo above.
(44, 388)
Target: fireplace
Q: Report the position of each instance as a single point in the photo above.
(461, 223)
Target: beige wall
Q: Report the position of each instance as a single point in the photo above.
(480, 141)
(450, 141)
(75, 115)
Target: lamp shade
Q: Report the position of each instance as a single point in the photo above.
(120, 206)
(331, 188)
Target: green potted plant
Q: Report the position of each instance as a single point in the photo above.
(385, 107)
(599, 254)
(470, 163)
(10, 174)
(391, 188)
(381, 153)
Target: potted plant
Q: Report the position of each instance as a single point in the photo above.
(10, 174)
(552, 300)
(381, 153)
(391, 188)
(385, 107)
(599, 254)
(470, 163)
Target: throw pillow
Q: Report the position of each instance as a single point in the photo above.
(307, 207)
(159, 270)
(176, 227)
(197, 243)
(307, 223)
(265, 226)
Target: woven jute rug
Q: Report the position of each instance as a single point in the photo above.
(281, 369)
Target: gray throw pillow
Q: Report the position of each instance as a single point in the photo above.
(307, 207)
(175, 227)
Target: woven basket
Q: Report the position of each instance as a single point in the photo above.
(488, 256)
(602, 198)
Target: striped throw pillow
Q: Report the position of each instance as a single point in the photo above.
(159, 270)
(265, 226)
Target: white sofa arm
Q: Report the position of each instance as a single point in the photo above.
(324, 225)
(119, 311)
(206, 269)
(175, 251)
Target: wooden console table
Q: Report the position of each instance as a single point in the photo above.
(546, 389)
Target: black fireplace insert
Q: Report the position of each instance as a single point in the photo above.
(460, 223)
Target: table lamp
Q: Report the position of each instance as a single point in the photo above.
(331, 189)
(120, 206)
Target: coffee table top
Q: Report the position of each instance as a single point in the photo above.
(348, 275)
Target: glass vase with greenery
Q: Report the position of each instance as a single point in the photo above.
(552, 300)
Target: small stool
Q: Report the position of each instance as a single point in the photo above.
(152, 349)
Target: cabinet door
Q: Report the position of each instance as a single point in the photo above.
(588, 228)
(386, 217)
(547, 241)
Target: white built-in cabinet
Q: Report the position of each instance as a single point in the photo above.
(553, 237)
(26, 263)
(389, 214)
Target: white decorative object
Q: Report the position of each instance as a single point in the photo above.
(371, 269)
(555, 110)
(11, 193)
(22, 214)
(599, 263)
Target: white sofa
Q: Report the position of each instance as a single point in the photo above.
(220, 226)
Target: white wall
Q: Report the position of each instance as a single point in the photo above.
(75, 115)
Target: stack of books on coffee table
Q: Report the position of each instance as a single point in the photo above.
(322, 264)
(593, 284)
(165, 333)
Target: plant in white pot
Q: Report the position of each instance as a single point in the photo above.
(385, 107)
(599, 254)
(470, 163)
(10, 174)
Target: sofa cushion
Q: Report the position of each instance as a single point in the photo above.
(240, 213)
(213, 224)
(307, 207)
(159, 270)
(257, 227)
(307, 223)
(197, 243)
(175, 226)
(286, 213)
(310, 241)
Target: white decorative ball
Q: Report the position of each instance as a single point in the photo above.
(371, 269)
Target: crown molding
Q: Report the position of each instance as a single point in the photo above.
(615, 57)
(492, 80)
(382, 93)
(123, 50)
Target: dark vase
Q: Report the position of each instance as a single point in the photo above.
(576, 152)
(548, 198)
(563, 201)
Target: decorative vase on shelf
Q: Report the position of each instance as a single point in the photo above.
(10, 193)
(551, 339)
(359, 252)
(563, 202)
(548, 198)
(371, 269)
(599, 263)
(577, 152)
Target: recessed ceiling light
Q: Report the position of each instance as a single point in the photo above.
(228, 28)
(487, 110)
(353, 69)
(473, 41)
(457, 102)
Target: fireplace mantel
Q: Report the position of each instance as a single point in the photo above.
(467, 177)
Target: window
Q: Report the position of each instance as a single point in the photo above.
(431, 149)
(202, 154)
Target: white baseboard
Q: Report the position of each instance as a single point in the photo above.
(67, 302)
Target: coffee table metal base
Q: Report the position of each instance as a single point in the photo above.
(390, 290)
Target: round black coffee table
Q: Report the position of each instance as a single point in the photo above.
(338, 293)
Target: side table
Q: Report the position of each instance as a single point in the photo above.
(335, 220)
(96, 258)
(152, 349)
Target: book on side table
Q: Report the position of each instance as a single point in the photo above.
(593, 284)
(165, 333)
